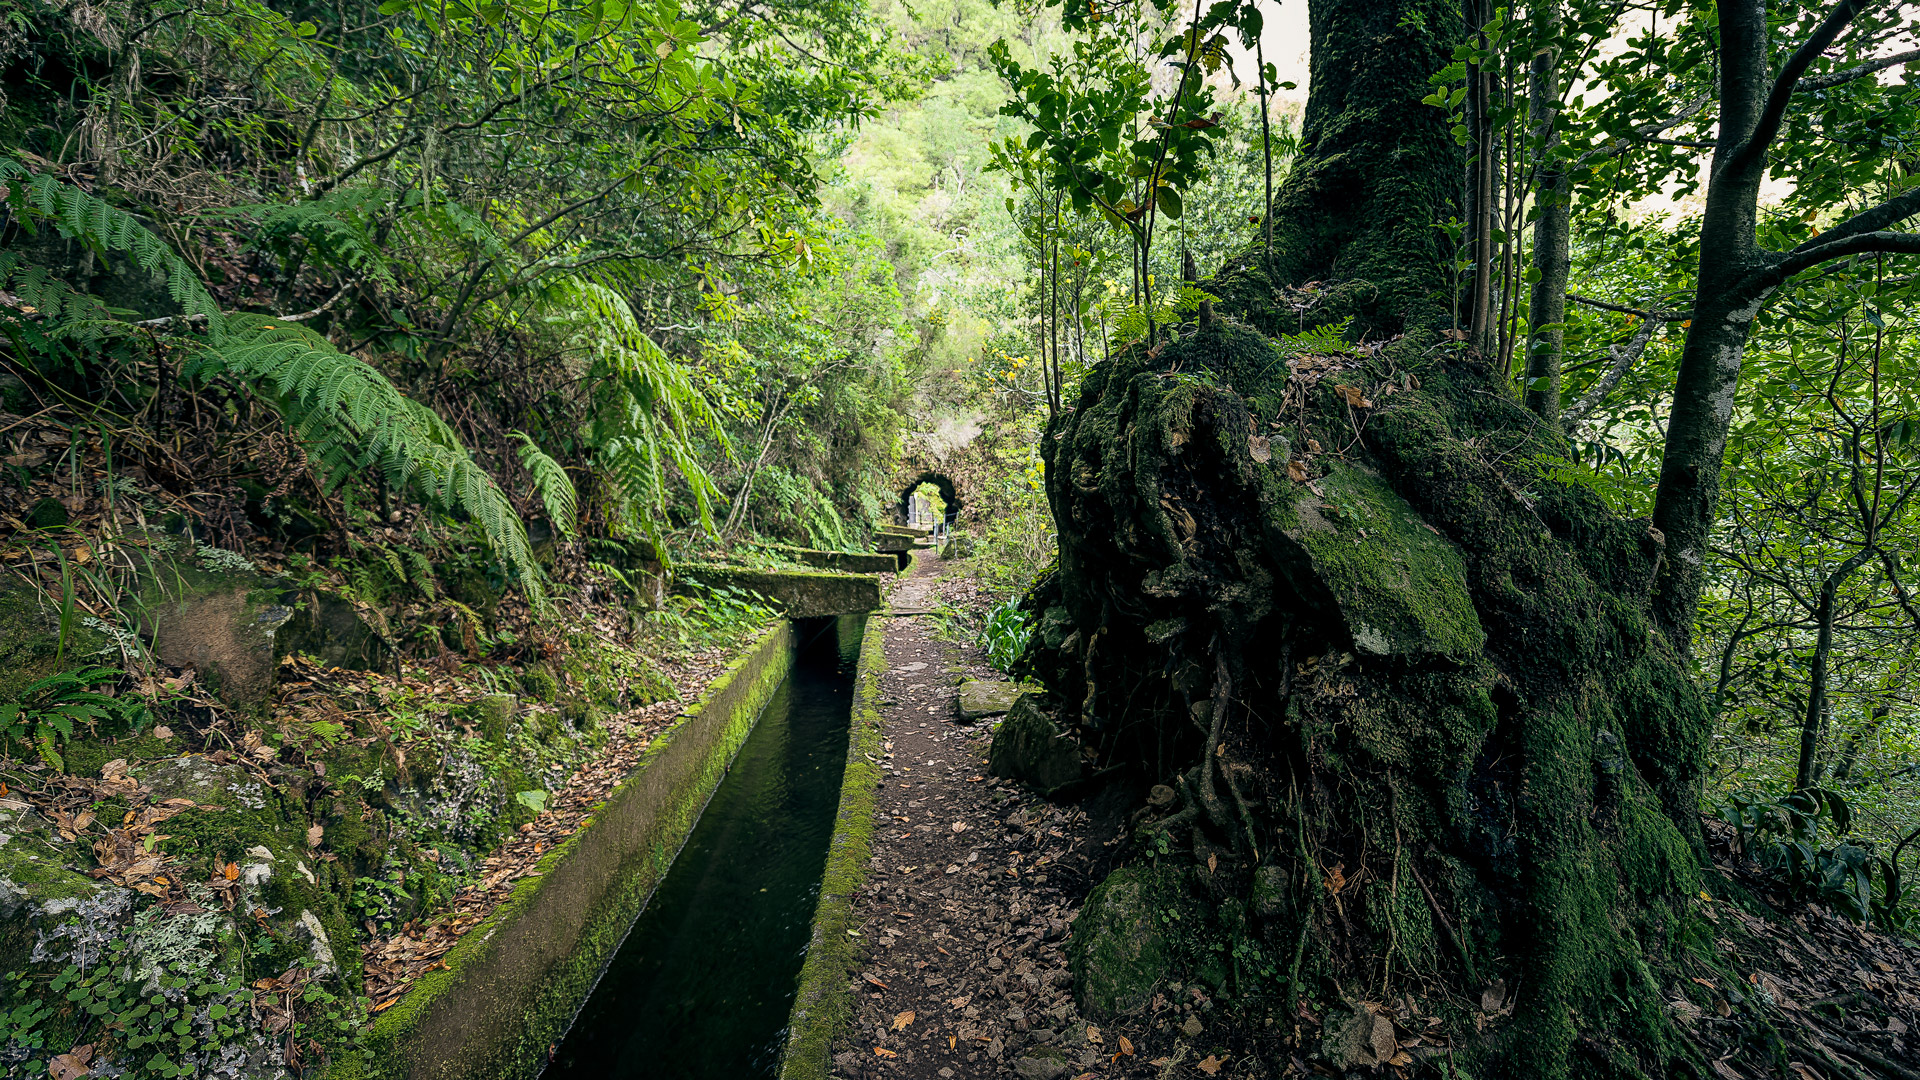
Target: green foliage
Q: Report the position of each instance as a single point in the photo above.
(1325, 338)
(1787, 836)
(1005, 634)
(550, 479)
(348, 415)
(145, 1005)
(49, 711)
(647, 411)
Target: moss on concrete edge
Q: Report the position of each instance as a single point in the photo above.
(512, 985)
(824, 1005)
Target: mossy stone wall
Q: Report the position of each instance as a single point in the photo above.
(512, 986)
(800, 595)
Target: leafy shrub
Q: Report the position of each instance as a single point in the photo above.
(1005, 634)
(48, 711)
(1784, 836)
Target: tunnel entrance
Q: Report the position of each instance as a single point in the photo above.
(908, 510)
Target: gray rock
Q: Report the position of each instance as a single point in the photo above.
(1118, 954)
(206, 782)
(338, 633)
(319, 949)
(1269, 891)
(1040, 1064)
(981, 698)
(1030, 748)
(1358, 1039)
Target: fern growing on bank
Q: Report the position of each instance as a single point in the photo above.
(348, 415)
(646, 411)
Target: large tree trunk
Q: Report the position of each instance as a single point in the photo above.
(1377, 171)
(1401, 689)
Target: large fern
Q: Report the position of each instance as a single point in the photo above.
(647, 410)
(349, 416)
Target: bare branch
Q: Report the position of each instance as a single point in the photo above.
(1806, 258)
(1872, 219)
(1646, 132)
(1665, 316)
(323, 308)
(1753, 151)
(1846, 75)
(1623, 358)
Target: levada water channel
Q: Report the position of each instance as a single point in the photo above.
(702, 985)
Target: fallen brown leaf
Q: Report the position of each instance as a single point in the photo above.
(902, 1021)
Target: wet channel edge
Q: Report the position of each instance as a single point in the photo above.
(514, 982)
(824, 1003)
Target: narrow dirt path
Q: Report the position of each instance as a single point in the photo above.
(972, 889)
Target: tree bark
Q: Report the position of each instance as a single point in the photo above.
(1552, 258)
(1376, 170)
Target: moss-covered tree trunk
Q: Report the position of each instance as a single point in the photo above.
(1400, 716)
(1377, 172)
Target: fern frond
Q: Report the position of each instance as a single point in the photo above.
(647, 409)
(550, 479)
(348, 414)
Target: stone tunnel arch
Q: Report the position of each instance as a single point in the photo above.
(940, 482)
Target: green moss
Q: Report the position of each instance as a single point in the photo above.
(1458, 657)
(1400, 588)
(86, 757)
(539, 684)
(30, 640)
(1118, 952)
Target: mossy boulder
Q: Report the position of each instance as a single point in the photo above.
(980, 698)
(337, 632)
(209, 610)
(202, 780)
(1345, 599)
(1029, 747)
(1399, 587)
(1118, 953)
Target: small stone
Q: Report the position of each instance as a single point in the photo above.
(980, 699)
(1192, 1027)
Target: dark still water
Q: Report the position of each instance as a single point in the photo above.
(702, 986)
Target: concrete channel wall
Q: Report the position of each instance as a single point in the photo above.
(824, 1004)
(514, 982)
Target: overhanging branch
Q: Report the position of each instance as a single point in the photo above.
(1753, 150)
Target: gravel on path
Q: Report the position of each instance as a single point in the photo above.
(971, 894)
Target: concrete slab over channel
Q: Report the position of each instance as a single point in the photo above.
(514, 982)
(846, 561)
(801, 595)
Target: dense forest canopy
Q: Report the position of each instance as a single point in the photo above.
(1503, 465)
